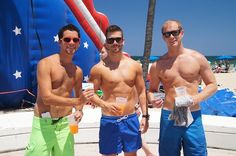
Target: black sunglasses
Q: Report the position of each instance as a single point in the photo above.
(174, 33)
(111, 40)
(75, 40)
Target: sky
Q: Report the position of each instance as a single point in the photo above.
(209, 25)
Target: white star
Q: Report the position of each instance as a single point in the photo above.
(86, 78)
(56, 38)
(17, 31)
(17, 74)
(86, 45)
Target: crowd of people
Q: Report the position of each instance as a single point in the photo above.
(221, 67)
(120, 79)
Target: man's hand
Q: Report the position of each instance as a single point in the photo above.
(144, 125)
(86, 95)
(114, 108)
(157, 103)
(78, 115)
(156, 99)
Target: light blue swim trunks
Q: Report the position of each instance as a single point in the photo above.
(172, 138)
(119, 133)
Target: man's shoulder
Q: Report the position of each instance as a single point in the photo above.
(99, 65)
(50, 57)
(194, 53)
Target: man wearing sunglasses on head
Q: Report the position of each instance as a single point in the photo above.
(57, 76)
(179, 70)
(118, 76)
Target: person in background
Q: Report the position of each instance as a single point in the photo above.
(181, 122)
(119, 77)
(57, 76)
(145, 146)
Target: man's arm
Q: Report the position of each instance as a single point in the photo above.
(208, 78)
(154, 84)
(78, 91)
(141, 91)
(95, 78)
(45, 88)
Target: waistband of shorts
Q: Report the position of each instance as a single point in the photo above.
(118, 117)
(195, 114)
(50, 119)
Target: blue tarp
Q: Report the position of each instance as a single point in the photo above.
(222, 103)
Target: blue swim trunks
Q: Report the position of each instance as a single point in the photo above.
(119, 133)
(172, 138)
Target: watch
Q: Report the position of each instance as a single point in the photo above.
(146, 116)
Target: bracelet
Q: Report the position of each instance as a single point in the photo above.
(146, 116)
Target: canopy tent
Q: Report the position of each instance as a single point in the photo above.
(226, 57)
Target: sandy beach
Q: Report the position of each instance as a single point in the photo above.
(226, 80)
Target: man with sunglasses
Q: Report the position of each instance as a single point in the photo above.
(57, 76)
(118, 76)
(180, 68)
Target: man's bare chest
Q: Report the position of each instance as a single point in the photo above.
(115, 77)
(62, 79)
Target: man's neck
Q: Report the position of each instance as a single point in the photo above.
(115, 57)
(175, 51)
(65, 59)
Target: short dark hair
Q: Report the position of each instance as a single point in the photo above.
(70, 27)
(113, 28)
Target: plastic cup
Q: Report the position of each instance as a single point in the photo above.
(99, 93)
(87, 85)
(181, 91)
(121, 101)
(158, 95)
(73, 125)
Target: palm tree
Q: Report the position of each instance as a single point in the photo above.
(148, 37)
(148, 40)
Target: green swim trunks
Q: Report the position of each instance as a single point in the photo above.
(50, 138)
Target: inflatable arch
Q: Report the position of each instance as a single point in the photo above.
(28, 33)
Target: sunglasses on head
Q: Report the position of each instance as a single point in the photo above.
(174, 33)
(111, 40)
(75, 40)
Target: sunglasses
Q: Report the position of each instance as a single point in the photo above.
(75, 40)
(111, 40)
(174, 33)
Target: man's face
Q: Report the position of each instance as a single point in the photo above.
(172, 34)
(114, 42)
(70, 42)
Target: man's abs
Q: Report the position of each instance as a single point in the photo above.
(54, 111)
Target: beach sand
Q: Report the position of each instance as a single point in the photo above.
(226, 80)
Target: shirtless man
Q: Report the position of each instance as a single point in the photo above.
(118, 76)
(180, 67)
(57, 76)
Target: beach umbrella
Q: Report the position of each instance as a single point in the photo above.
(153, 58)
(226, 57)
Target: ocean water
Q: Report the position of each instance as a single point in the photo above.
(211, 59)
